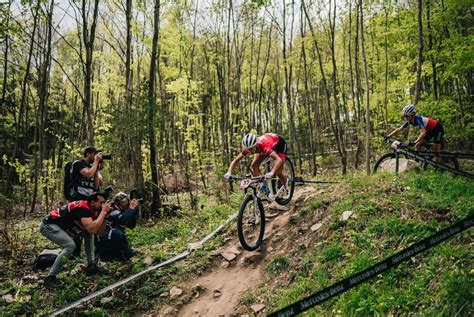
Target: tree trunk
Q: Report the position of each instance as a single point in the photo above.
(306, 98)
(288, 68)
(367, 92)
(43, 104)
(5, 54)
(21, 126)
(339, 130)
(420, 52)
(385, 90)
(88, 39)
(430, 48)
(358, 88)
(156, 201)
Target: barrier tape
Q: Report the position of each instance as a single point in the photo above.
(351, 281)
(134, 276)
(303, 182)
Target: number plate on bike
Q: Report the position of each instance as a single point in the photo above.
(245, 183)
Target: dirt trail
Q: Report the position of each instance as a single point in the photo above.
(218, 292)
(223, 289)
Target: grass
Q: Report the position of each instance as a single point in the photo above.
(392, 213)
(278, 264)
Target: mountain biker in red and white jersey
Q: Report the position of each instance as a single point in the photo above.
(429, 129)
(268, 144)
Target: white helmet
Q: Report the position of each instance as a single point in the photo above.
(409, 110)
(249, 141)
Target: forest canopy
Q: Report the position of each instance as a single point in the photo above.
(172, 86)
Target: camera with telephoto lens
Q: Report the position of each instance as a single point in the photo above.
(140, 200)
(107, 191)
(106, 156)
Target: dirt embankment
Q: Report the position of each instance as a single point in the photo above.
(235, 272)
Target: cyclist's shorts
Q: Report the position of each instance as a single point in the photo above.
(281, 148)
(437, 134)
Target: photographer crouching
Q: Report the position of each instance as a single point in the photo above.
(78, 218)
(113, 245)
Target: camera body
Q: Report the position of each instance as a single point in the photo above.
(106, 156)
(107, 191)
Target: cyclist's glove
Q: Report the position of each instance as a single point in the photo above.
(269, 175)
(227, 175)
(396, 144)
(385, 138)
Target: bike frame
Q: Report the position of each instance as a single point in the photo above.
(254, 182)
(424, 157)
(272, 195)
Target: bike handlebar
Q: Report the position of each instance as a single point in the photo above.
(246, 177)
(390, 141)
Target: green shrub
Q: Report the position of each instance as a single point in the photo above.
(332, 252)
(278, 264)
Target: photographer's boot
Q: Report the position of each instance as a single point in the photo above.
(93, 269)
(51, 282)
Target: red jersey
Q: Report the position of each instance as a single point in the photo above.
(266, 144)
(68, 217)
(422, 123)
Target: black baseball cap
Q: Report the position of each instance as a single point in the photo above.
(91, 149)
(95, 195)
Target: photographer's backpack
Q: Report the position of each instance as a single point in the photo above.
(45, 259)
(69, 180)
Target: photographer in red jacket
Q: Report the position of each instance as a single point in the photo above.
(78, 218)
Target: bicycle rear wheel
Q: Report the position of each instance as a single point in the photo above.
(251, 223)
(451, 162)
(283, 196)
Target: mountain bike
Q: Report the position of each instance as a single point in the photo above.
(251, 216)
(407, 151)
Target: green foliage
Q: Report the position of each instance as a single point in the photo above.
(223, 78)
(332, 252)
(293, 220)
(278, 264)
(247, 299)
(326, 161)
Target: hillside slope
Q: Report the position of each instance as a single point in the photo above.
(308, 247)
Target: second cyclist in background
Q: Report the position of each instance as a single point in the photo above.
(430, 129)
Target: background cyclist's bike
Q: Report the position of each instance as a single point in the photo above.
(408, 152)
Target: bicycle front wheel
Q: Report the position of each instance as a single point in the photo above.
(251, 223)
(383, 158)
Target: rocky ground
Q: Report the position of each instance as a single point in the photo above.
(220, 290)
